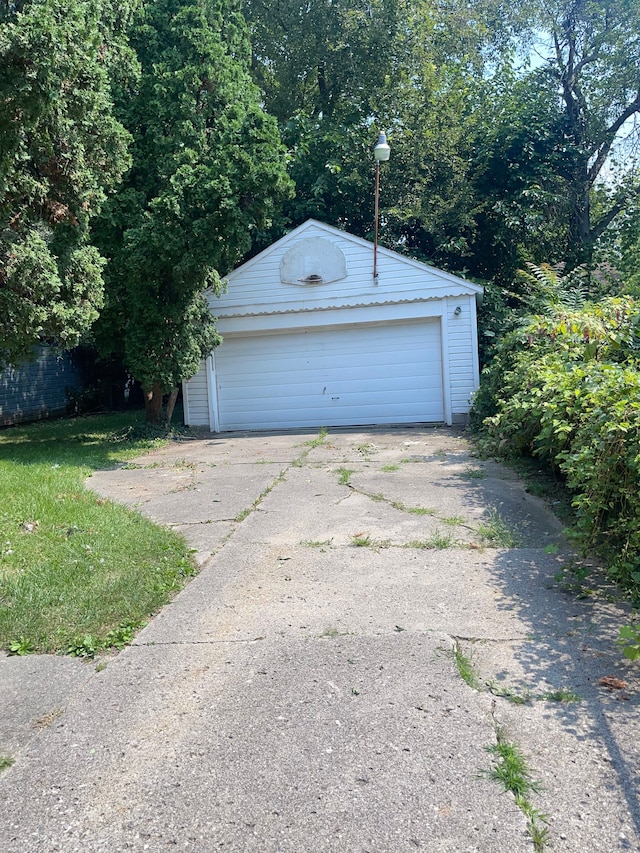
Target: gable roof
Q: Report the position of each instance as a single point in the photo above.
(332, 231)
(262, 285)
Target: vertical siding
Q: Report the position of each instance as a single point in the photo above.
(38, 389)
(196, 400)
(462, 364)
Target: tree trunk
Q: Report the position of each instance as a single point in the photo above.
(580, 248)
(153, 404)
(171, 402)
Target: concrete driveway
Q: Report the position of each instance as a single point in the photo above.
(304, 692)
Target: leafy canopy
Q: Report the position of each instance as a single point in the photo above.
(61, 151)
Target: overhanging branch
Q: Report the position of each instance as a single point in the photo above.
(613, 211)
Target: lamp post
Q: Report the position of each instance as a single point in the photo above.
(381, 153)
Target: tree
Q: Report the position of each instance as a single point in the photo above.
(208, 171)
(336, 73)
(326, 70)
(596, 62)
(544, 161)
(61, 151)
(499, 155)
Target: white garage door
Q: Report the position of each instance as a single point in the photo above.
(338, 376)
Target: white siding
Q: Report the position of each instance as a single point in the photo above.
(256, 288)
(348, 352)
(462, 353)
(196, 400)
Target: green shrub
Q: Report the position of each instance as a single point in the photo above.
(565, 387)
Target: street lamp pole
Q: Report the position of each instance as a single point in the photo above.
(381, 153)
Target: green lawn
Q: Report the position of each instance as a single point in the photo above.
(77, 573)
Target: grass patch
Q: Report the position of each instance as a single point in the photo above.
(497, 533)
(5, 762)
(464, 665)
(388, 469)
(344, 475)
(73, 566)
(361, 540)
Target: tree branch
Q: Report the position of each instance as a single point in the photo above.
(609, 135)
(613, 211)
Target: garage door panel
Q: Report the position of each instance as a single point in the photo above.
(334, 377)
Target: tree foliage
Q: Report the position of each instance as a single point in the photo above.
(545, 163)
(61, 151)
(208, 169)
(503, 121)
(326, 71)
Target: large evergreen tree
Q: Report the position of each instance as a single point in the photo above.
(208, 169)
(61, 150)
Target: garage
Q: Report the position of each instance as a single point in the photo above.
(310, 339)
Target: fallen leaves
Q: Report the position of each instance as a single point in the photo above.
(611, 682)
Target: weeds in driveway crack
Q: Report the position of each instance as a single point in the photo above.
(317, 543)
(48, 719)
(464, 665)
(454, 520)
(419, 510)
(5, 762)
(344, 475)
(364, 540)
(510, 770)
(562, 694)
(319, 440)
(473, 474)
(438, 541)
(263, 494)
(367, 449)
(497, 533)
(509, 693)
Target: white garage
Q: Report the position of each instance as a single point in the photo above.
(311, 339)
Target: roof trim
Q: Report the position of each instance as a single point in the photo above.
(233, 311)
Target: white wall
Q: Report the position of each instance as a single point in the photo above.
(196, 399)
